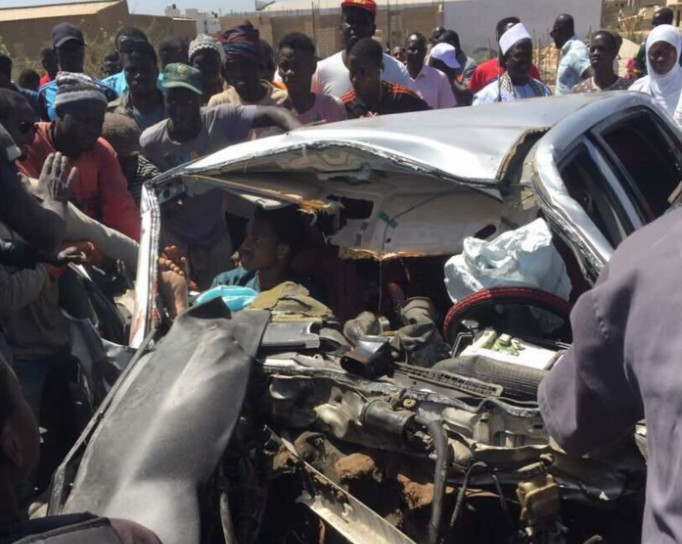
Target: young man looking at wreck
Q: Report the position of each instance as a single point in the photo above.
(370, 95)
(198, 227)
(296, 65)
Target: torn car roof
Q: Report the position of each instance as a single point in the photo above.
(468, 144)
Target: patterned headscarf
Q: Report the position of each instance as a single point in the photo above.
(243, 41)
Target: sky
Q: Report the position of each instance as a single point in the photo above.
(154, 7)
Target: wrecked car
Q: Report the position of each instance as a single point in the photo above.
(255, 427)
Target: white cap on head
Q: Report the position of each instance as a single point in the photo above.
(513, 36)
(445, 53)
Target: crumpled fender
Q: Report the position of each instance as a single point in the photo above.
(169, 423)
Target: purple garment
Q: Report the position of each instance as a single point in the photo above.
(625, 364)
(200, 221)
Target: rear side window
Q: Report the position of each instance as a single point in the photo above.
(648, 161)
(587, 185)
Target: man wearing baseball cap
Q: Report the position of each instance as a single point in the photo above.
(431, 82)
(332, 75)
(198, 227)
(69, 46)
(516, 49)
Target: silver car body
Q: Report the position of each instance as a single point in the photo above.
(434, 178)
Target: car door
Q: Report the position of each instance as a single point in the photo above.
(646, 158)
(604, 174)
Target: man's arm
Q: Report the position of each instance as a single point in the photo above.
(586, 400)
(110, 242)
(273, 116)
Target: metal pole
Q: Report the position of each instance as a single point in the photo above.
(388, 24)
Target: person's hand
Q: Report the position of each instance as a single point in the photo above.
(55, 179)
(69, 255)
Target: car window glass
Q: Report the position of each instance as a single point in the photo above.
(650, 163)
(587, 185)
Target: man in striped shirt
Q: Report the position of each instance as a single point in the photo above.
(370, 95)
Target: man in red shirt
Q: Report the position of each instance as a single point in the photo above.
(100, 188)
(48, 58)
(489, 71)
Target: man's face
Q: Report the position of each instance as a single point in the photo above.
(171, 55)
(141, 73)
(49, 62)
(415, 51)
(20, 439)
(82, 122)
(21, 125)
(559, 34)
(662, 57)
(183, 107)
(398, 53)
(296, 68)
(260, 249)
(520, 59)
(208, 63)
(111, 67)
(243, 74)
(357, 24)
(602, 53)
(71, 56)
(365, 76)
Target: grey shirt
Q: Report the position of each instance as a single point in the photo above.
(625, 364)
(200, 221)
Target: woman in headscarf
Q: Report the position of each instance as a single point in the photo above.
(664, 81)
(516, 47)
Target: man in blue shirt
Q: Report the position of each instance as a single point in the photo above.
(69, 47)
(118, 81)
(574, 65)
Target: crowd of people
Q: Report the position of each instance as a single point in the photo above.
(79, 149)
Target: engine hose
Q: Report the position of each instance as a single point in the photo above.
(462, 491)
(440, 443)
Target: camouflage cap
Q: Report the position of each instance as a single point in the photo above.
(178, 75)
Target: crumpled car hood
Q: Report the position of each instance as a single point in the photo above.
(166, 427)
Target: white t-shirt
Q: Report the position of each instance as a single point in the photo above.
(332, 76)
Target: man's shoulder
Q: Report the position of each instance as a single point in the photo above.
(48, 88)
(153, 135)
(397, 89)
(349, 97)
(330, 62)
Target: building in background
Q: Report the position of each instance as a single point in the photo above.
(27, 30)
(474, 20)
(206, 22)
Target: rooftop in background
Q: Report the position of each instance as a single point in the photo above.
(335, 5)
(46, 11)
